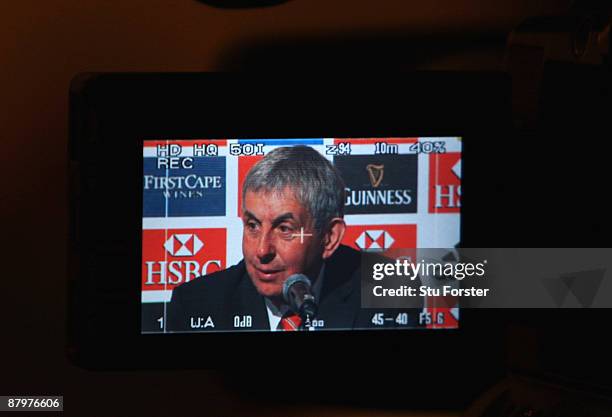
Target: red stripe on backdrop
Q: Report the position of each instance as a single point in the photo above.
(369, 141)
(245, 163)
(185, 142)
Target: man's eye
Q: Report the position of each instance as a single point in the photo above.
(285, 229)
(252, 226)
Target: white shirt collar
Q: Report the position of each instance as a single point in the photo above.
(275, 314)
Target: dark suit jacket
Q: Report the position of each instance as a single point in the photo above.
(227, 294)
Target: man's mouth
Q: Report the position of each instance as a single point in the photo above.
(268, 274)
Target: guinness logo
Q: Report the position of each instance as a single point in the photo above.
(376, 173)
(391, 184)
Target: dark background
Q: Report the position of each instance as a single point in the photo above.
(44, 44)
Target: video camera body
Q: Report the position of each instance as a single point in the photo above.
(157, 162)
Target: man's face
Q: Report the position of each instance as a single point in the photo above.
(272, 242)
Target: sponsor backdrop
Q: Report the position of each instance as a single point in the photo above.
(400, 193)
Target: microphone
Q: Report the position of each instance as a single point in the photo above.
(297, 294)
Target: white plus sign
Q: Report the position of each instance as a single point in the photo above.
(302, 234)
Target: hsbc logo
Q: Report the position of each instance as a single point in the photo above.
(445, 183)
(381, 237)
(183, 245)
(174, 256)
(374, 240)
(457, 169)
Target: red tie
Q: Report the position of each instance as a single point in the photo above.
(290, 322)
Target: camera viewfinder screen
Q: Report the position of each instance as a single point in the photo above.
(245, 235)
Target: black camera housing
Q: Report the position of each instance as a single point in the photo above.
(111, 114)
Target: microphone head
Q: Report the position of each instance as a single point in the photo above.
(294, 279)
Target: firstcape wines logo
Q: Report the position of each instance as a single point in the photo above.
(197, 189)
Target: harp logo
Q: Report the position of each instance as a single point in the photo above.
(376, 173)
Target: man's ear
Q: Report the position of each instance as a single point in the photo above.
(333, 236)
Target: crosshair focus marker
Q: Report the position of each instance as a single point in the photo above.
(302, 234)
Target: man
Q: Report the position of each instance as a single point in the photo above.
(292, 212)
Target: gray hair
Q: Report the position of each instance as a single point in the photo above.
(316, 183)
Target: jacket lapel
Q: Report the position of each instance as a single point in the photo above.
(340, 294)
(248, 302)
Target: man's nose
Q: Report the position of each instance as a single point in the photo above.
(265, 248)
